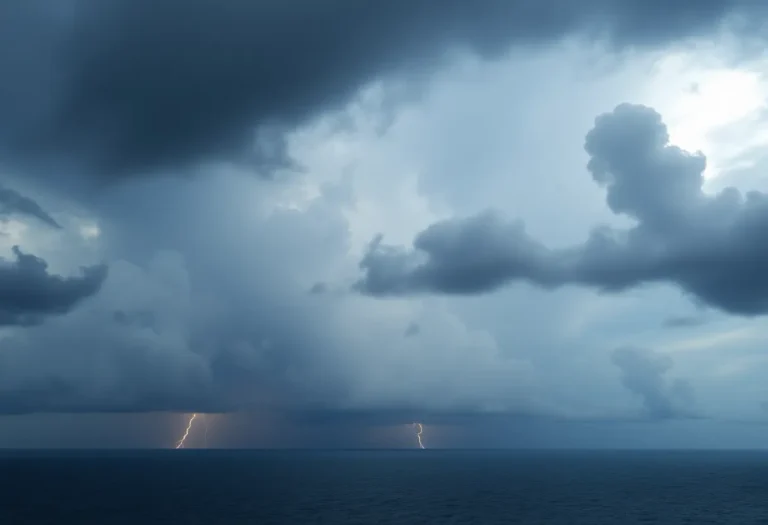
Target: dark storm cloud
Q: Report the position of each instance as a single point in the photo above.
(28, 292)
(117, 87)
(12, 203)
(711, 246)
(644, 373)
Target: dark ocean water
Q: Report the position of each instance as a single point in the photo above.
(399, 487)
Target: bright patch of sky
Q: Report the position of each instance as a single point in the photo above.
(712, 107)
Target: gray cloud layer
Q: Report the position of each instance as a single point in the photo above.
(711, 246)
(120, 87)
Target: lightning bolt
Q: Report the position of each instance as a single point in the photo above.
(180, 443)
(419, 432)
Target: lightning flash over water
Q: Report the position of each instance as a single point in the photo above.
(180, 443)
(419, 432)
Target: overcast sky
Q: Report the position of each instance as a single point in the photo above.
(519, 223)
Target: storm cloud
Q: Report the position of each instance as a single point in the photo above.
(139, 126)
(12, 203)
(114, 88)
(29, 293)
(224, 322)
(708, 245)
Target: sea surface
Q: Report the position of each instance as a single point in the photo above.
(190, 487)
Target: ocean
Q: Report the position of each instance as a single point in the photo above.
(189, 487)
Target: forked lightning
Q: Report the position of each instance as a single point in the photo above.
(180, 443)
(419, 432)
